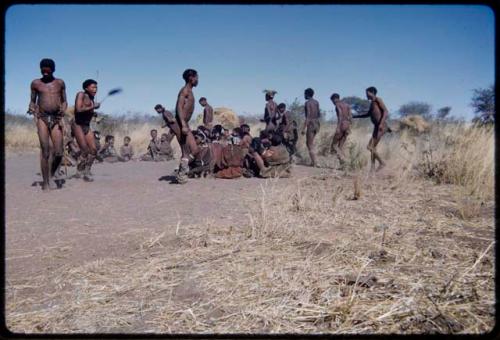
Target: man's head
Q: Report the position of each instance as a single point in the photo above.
(97, 135)
(308, 93)
(236, 131)
(217, 132)
(245, 128)
(159, 109)
(190, 76)
(282, 107)
(203, 101)
(47, 67)
(90, 86)
(164, 137)
(270, 94)
(126, 140)
(109, 139)
(335, 98)
(153, 133)
(276, 139)
(371, 92)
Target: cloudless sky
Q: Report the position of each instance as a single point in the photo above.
(436, 54)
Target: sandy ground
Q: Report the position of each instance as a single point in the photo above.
(86, 221)
(70, 245)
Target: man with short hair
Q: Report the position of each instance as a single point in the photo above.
(184, 109)
(270, 110)
(208, 113)
(311, 124)
(344, 119)
(85, 107)
(378, 113)
(48, 104)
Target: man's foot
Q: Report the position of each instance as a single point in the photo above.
(87, 178)
(52, 183)
(45, 187)
(181, 178)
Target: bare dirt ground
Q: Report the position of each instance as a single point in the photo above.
(86, 221)
(131, 252)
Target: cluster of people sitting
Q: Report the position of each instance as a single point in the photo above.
(157, 150)
(232, 154)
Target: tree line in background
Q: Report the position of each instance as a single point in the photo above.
(482, 101)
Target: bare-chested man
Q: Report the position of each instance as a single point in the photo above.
(311, 124)
(378, 113)
(47, 104)
(208, 113)
(344, 120)
(84, 112)
(270, 110)
(183, 112)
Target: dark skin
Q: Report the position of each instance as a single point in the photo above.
(84, 102)
(170, 121)
(208, 114)
(344, 118)
(48, 96)
(378, 114)
(184, 110)
(312, 114)
(270, 111)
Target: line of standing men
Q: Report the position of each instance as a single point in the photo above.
(377, 112)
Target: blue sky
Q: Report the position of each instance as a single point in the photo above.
(436, 54)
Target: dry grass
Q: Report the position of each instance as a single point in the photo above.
(408, 256)
(309, 260)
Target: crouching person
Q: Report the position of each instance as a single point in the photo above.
(202, 164)
(273, 161)
(231, 163)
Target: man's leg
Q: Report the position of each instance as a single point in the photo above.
(57, 141)
(375, 153)
(84, 149)
(89, 138)
(310, 134)
(43, 136)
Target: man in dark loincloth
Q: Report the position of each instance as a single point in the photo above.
(48, 104)
(311, 124)
(344, 120)
(208, 113)
(378, 113)
(84, 112)
(270, 110)
(183, 111)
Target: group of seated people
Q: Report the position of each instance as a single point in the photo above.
(232, 154)
(158, 149)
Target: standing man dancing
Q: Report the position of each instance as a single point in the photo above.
(47, 104)
(344, 119)
(378, 113)
(311, 124)
(84, 111)
(183, 112)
